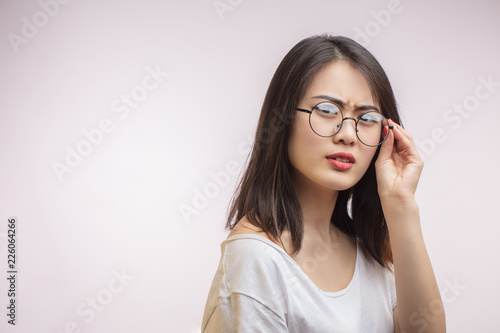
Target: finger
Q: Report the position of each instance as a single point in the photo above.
(399, 134)
(393, 123)
(401, 129)
(404, 141)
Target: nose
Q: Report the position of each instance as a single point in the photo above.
(347, 132)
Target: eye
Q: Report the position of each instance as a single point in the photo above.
(328, 110)
(371, 118)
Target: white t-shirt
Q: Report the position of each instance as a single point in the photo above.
(258, 287)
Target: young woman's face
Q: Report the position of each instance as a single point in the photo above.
(309, 153)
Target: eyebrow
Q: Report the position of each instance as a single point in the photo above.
(342, 104)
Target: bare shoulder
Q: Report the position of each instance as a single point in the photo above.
(244, 227)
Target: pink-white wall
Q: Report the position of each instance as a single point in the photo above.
(117, 116)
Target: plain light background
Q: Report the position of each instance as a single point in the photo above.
(119, 209)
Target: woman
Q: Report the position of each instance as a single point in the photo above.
(325, 232)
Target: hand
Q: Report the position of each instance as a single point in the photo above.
(398, 166)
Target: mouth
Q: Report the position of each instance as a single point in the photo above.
(341, 161)
(342, 157)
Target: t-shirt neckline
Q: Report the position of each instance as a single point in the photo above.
(275, 246)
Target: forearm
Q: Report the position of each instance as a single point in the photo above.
(417, 291)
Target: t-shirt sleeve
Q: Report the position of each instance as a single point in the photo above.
(240, 313)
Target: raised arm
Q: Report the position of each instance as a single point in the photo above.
(420, 308)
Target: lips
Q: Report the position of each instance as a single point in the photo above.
(342, 157)
(341, 161)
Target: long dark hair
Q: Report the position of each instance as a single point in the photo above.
(266, 195)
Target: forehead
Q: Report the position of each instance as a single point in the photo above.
(342, 81)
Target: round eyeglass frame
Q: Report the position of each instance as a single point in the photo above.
(342, 123)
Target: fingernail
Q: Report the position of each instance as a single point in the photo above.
(385, 131)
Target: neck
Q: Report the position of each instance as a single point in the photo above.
(317, 204)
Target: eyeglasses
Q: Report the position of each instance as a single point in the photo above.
(326, 120)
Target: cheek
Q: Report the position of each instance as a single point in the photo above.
(293, 149)
(302, 145)
(366, 157)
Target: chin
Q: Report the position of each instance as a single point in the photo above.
(336, 185)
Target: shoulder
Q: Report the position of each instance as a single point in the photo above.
(250, 253)
(247, 288)
(250, 260)
(257, 268)
(245, 227)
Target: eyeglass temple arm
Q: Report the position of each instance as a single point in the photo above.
(304, 110)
